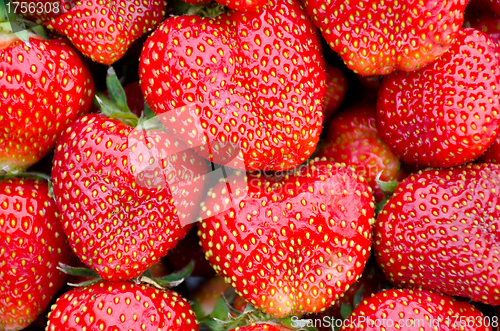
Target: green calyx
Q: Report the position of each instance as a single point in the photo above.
(210, 10)
(22, 28)
(168, 281)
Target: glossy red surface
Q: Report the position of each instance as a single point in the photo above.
(378, 37)
(293, 247)
(447, 113)
(32, 243)
(43, 88)
(244, 89)
(440, 231)
(121, 306)
(117, 188)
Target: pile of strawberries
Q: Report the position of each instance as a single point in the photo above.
(254, 165)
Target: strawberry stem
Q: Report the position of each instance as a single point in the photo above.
(111, 110)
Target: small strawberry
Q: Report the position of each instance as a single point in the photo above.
(415, 310)
(336, 86)
(121, 306)
(44, 86)
(376, 38)
(124, 194)
(32, 243)
(440, 231)
(104, 29)
(290, 245)
(353, 139)
(244, 89)
(447, 113)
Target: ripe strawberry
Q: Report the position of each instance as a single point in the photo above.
(44, 86)
(376, 38)
(415, 310)
(121, 306)
(447, 113)
(439, 231)
(32, 243)
(353, 139)
(124, 194)
(292, 246)
(247, 87)
(336, 86)
(104, 29)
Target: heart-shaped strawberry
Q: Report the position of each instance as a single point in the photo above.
(245, 89)
(293, 244)
(121, 193)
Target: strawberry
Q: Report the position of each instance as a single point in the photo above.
(32, 243)
(247, 87)
(439, 231)
(447, 113)
(353, 139)
(104, 29)
(289, 245)
(121, 306)
(376, 38)
(336, 86)
(44, 86)
(415, 310)
(124, 194)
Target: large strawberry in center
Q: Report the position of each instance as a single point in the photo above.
(290, 245)
(244, 89)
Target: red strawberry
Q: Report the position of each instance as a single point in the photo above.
(447, 113)
(124, 194)
(44, 86)
(247, 87)
(440, 231)
(294, 246)
(415, 310)
(104, 29)
(32, 243)
(353, 139)
(336, 86)
(121, 306)
(376, 38)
